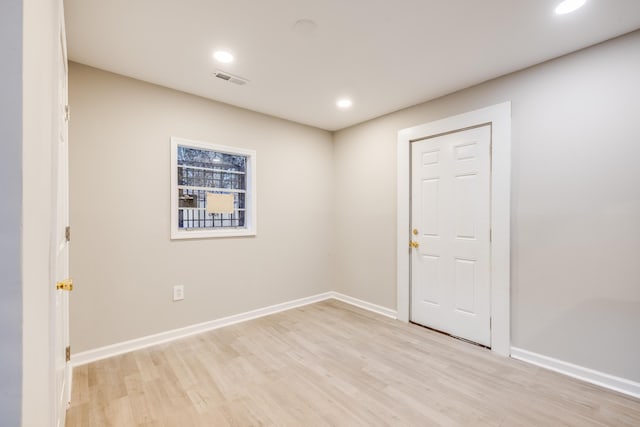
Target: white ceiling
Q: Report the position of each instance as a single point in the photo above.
(385, 55)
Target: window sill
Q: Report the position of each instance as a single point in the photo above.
(182, 235)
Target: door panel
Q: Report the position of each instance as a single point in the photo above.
(464, 207)
(450, 209)
(464, 284)
(430, 195)
(430, 267)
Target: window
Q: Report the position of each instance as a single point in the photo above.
(212, 190)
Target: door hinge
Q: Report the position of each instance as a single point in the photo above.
(67, 113)
(67, 353)
(67, 233)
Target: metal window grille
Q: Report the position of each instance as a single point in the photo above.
(201, 171)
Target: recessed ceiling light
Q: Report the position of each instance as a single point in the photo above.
(223, 56)
(344, 103)
(568, 6)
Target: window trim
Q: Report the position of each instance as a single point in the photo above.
(250, 228)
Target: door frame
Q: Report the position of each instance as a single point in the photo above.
(499, 117)
(60, 125)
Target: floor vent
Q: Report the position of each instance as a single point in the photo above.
(230, 78)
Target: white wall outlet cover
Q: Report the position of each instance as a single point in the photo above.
(178, 293)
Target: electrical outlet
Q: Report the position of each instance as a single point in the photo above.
(178, 292)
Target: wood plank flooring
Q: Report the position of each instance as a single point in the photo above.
(331, 364)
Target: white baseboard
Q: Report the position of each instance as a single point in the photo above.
(89, 356)
(612, 382)
(364, 304)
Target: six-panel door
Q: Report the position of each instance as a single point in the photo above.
(450, 221)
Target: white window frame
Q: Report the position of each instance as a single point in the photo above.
(250, 228)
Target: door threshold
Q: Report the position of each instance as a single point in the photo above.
(449, 335)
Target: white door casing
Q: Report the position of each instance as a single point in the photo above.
(60, 245)
(499, 118)
(450, 221)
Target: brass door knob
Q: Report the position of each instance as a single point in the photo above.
(65, 285)
(413, 244)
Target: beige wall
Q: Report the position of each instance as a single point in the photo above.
(575, 286)
(122, 259)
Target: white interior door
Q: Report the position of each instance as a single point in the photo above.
(60, 250)
(450, 221)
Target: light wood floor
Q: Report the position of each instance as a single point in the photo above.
(333, 364)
